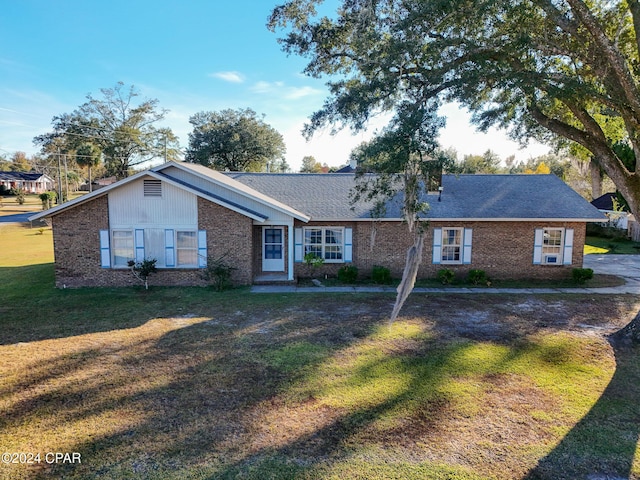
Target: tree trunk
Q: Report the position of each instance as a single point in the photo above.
(596, 179)
(629, 334)
(409, 275)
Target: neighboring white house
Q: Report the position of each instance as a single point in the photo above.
(30, 182)
(618, 218)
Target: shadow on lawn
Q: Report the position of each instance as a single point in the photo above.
(602, 445)
(212, 398)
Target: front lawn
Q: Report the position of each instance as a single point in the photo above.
(190, 383)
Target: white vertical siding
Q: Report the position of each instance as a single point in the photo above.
(275, 216)
(129, 207)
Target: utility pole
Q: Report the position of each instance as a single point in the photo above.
(66, 179)
(59, 199)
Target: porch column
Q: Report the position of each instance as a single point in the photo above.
(291, 246)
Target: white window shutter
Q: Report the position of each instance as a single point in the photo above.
(169, 248)
(437, 245)
(537, 246)
(466, 246)
(567, 255)
(139, 243)
(105, 252)
(348, 245)
(297, 245)
(202, 248)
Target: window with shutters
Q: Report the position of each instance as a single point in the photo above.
(122, 246)
(325, 242)
(451, 245)
(186, 248)
(552, 246)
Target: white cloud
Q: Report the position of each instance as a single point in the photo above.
(231, 76)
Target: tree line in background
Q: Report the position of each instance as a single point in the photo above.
(111, 135)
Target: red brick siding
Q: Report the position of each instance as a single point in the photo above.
(504, 250)
(229, 235)
(77, 247)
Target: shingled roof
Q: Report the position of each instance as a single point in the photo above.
(464, 197)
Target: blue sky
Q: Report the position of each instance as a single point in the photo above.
(192, 56)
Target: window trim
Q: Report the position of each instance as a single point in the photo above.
(460, 246)
(323, 245)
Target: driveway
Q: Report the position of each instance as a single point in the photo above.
(626, 266)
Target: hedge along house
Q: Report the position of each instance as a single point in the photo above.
(511, 226)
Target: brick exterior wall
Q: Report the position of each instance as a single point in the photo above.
(504, 250)
(229, 235)
(76, 241)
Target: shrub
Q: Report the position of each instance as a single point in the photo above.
(313, 260)
(446, 276)
(47, 199)
(581, 275)
(348, 274)
(218, 273)
(477, 277)
(381, 275)
(20, 197)
(142, 270)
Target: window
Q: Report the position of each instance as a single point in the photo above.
(451, 245)
(122, 247)
(186, 249)
(552, 246)
(325, 242)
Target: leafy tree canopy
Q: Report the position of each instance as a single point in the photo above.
(234, 140)
(124, 130)
(557, 70)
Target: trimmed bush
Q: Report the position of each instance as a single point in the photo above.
(581, 275)
(446, 276)
(381, 275)
(348, 274)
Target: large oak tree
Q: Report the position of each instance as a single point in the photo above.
(556, 70)
(560, 71)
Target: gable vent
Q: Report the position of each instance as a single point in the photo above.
(152, 188)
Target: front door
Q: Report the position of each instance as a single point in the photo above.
(273, 249)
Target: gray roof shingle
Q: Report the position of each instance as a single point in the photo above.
(482, 197)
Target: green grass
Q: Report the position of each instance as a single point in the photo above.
(600, 245)
(192, 383)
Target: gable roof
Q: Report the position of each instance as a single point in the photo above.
(464, 197)
(327, 197)
(162, 173)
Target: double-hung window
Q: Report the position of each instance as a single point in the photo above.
(186, 249)
(552, 245)
(122, 247)
(451, 245)
(325, 242)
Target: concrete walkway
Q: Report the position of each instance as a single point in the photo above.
(625, 266)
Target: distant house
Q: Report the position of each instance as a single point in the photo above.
(30, 182)
(616, 217)
(181, 214)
